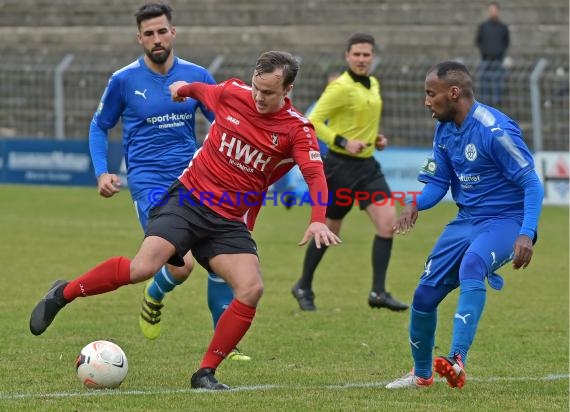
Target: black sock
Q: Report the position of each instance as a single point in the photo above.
(312, 258)
(381, 251)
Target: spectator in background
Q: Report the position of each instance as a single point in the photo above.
(493, 41)
(156, 151)
(347, 118)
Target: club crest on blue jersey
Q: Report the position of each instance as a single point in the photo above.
(470, 152)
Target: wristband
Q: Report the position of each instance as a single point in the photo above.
(340, 141)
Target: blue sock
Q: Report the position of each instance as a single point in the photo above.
(163, 282)
(220, 295)
(422, 337)
(472, 298)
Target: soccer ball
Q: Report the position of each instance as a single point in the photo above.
(101, 365)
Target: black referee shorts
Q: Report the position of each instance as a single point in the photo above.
(349, 176)
(197, 228)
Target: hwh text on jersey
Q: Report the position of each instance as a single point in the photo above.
(243, 152)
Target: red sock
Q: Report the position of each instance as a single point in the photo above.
(105, 277)
(232, 326)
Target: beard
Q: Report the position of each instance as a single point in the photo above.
(448, 114)
(158, 58)
(444, 117)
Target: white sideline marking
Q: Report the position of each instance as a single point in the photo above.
(551, 377)
(118, 392)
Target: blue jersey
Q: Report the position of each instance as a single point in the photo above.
(158, 134)
(483, 162)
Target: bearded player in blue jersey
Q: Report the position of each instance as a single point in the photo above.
(158, 141)
(478, 153)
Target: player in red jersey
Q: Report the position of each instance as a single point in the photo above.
(257, 137)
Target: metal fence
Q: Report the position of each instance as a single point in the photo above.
(34, 104)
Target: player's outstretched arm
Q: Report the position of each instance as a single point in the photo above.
(407, 219)
(322, 235)
(522, 252)
(108, 184)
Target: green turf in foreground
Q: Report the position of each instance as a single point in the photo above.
(337, 358)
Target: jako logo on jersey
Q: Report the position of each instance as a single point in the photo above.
(232, 119)
(470, 152)
(315, 155)
(244, 153)
(139, 93)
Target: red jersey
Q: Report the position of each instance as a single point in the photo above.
(246, 151)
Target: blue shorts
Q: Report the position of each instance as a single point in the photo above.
(143, 205)
(491, 239)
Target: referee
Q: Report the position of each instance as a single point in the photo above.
(347, 118)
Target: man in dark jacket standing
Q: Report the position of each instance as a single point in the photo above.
(492, 40)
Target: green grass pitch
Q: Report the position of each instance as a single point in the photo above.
(336, 359)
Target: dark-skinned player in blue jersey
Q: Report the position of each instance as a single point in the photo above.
(478, 153)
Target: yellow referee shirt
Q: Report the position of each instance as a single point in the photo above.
(350, 110)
